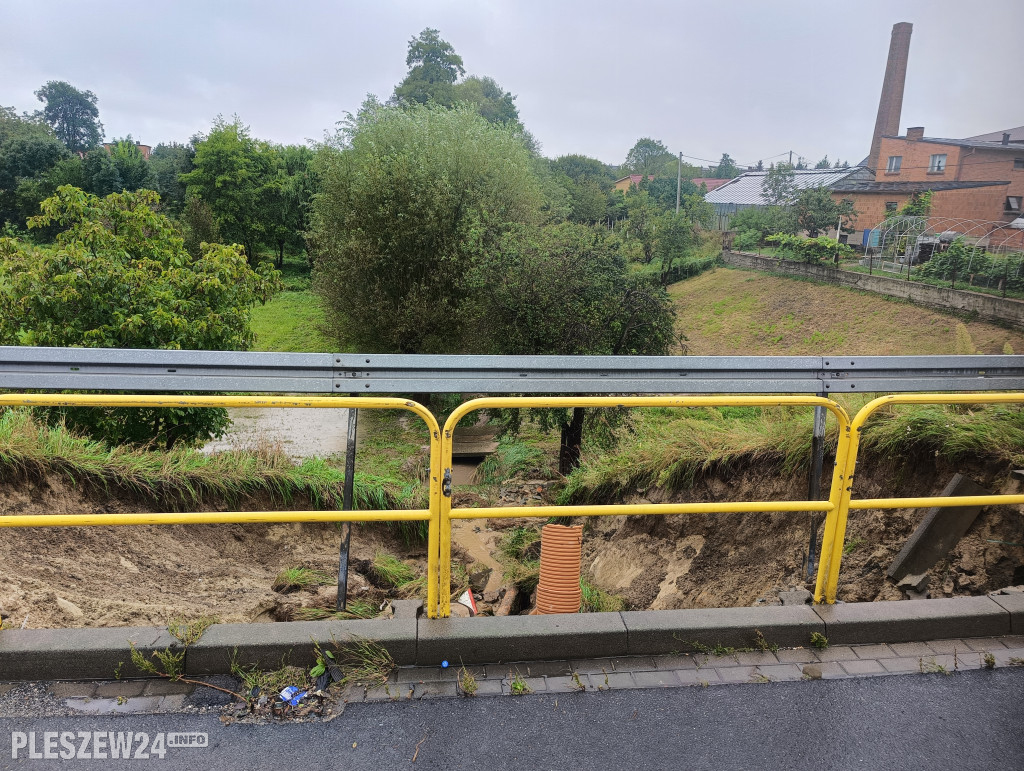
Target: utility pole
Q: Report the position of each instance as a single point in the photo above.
(679, 180)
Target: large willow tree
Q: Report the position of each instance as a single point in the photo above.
(412, 199)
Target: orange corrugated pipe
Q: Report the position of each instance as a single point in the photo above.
(559, 587)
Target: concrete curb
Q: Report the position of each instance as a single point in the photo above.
(69, 654)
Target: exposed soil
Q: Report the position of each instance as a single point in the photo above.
(147, 575)
(729, 560)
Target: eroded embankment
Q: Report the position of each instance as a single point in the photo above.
(722, 560)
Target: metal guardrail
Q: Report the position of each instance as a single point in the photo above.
(447, 513)
(814, 377)
(323, 373)
(834, 534)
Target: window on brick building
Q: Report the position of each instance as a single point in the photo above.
(1012, 205)
(893, 167)
(891, 206)
(937, 163)
(1018, 163)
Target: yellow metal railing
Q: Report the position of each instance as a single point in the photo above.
(448, 513)
(429, 515)
(440, 513)
(835, 524)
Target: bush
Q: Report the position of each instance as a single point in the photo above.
(119, 276)
(814, 250)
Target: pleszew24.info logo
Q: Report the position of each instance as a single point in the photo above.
(100, 745)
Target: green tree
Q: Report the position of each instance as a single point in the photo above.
(25, 157)
(285, 198)
(495, 104)
(641, 222)
(410, 199)
(563, 289)
(433, 69)
(119, 277)
(100, 173)
(647, 156)
(727, 168)
(816, 210)
(132, 166)
(824, 163)
(72, 114)
(230, 171)
(779, 185)
(168, 162)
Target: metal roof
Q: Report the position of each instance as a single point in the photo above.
(1016, 135)
(907, 187)
(746, 188)
(979, 144)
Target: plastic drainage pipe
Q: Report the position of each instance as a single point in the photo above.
(560, 555)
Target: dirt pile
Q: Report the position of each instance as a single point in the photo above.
(729, 560)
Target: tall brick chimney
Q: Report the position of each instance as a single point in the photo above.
(891, 102)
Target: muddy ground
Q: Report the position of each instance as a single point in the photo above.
(148, 575)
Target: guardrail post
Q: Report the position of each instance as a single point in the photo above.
(346, 505)
(814, 483)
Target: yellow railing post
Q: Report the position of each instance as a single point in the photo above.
(828, 573)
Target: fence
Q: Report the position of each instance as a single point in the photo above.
(429, 515)
(815, 377)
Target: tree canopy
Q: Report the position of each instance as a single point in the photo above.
(119, 277)
(411, 197)
(647, 156)
(72, 114)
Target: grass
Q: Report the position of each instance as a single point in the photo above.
(520, 568)
(392, 570)
(513, 457)
(517, 685)
(599, 601)
(185, 477)
(467, 682)
(819, 641)
(294, 579)
(291, 321)
(353, 610)
(736, 312)
(188, 632)
(672, 449)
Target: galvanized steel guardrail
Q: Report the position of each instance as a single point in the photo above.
(812, 377)
(323, 373)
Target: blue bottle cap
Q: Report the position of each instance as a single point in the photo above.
(444, 665)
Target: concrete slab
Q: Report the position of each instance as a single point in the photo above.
(1014, 605)
(268, 645)
(939, 531)
(520, 638)
(913, 620)
(668, 631)
(77, 654)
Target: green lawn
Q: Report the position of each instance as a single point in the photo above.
(291, 321)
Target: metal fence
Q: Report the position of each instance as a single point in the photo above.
(814, 378)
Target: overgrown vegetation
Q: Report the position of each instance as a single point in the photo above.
(597, 600)
(184, 476)
(670, 449)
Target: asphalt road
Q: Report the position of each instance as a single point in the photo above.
(968, 720)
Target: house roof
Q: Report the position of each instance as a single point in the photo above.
(711, 183)
(907, 187)
(976, 143)
(1016, 135)
(634, 179)
(746, 188)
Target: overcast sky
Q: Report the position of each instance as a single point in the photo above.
(754, 79)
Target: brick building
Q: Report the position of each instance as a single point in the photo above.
(970, 179)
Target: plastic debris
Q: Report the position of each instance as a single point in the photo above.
(469, 601)
(444, 665)
(292, 696)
